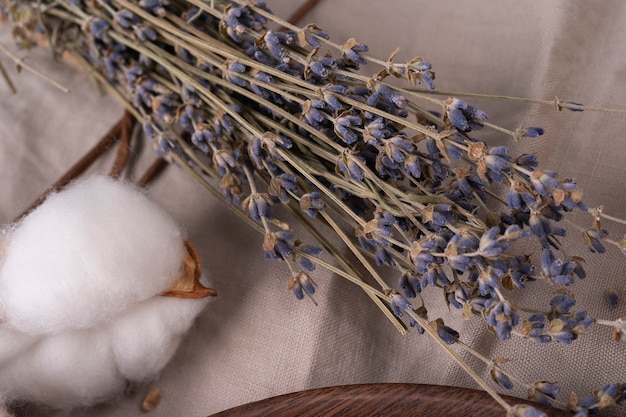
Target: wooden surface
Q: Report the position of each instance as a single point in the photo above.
(381, 400)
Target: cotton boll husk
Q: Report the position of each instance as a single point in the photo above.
(85, 254)
(67, 370)
(145, 338)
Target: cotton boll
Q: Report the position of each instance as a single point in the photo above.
(13, 343)
(82, 305)
(67, 370)
(145, 338)
(86, 254)
(83, 367)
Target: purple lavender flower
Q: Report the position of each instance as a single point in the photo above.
(98, 28)
(126, 18)
(543, 181)
(502, 317)
(231, 70)
(322, 67)
(382, 256)
(519, 196)
(434, 276)
(277, 245)
(488, 280)
(275, 47)
(534, 329)
(348, 164)
(351, 52)
(612, 297)
(410, 284)
(328, 96)
(543, 392)
(265, 147)
(230, 24)
(258, 206)
(300, 284)
(561, 304)
(230, 186)
(399, 304)
(593, 237)
(573, 109)
(527, 161)
(312, 114)
(280, 186)
(519, 271)
(447, 334)
(497, 161)
(533, 132)
(311, 203)
(558, 271)
(499, 377)
(438, 215)
(309, 34)
(224, 160)
(525, 411)
(202, 136)
(376, 130)
(146, 33)
(156, 7)
(463, 116)
(382, 224)
(420, 252)
(344, 125)
(459, 245)
(567, 328)
(305, 262)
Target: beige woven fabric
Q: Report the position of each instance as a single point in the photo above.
(255, 340)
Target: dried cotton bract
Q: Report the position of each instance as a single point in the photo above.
(81, 280)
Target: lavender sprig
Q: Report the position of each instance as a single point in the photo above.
(268, 124)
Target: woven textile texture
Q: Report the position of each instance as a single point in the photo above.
(255, 340)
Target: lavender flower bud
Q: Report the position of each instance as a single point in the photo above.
(526, 411)
(300, 284)
(311, 203)
(98, 28)
(500, 378)
(126, 18)
(399, 304)
(258, 205)
(281, 184)
(277, 246)
(351, 50)
(612, 297)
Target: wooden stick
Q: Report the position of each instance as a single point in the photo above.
(301, 12)
(153, 171)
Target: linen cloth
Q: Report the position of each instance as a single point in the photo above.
(255, 340)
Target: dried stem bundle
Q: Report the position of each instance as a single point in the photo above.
(281, 131)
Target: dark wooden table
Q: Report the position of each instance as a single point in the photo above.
(381, 400)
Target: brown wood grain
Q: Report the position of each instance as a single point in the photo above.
(381, 400)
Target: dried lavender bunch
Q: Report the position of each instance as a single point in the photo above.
(283, 133)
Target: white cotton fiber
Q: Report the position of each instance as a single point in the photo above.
(70, 369)
(147, 336)
(86, 254)
(13, 343)
(80, 284)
